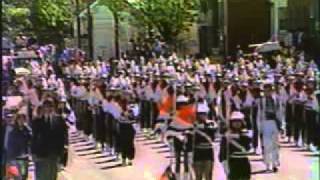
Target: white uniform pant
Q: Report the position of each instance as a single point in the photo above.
(270, 134)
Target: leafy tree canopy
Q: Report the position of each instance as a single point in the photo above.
(170, 17)
(15, 17)
(52, 20)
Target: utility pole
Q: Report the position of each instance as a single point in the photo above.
(226, 29)
(78, 24)
(90, 31)
(116, 34)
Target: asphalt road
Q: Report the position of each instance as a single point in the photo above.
(152, 157)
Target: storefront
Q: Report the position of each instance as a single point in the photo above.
(224, 24)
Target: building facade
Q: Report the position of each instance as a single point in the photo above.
(224, 24)
(103, 34)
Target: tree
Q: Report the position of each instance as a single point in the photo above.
(52, 20)
(15, 17)
(170, 18)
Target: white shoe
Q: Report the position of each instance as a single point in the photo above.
(269, 168)
(186, 176)
(112, 151)
(252, 150)
(178, 176)
(312, 148)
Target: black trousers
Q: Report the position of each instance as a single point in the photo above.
(100, 127)
(289, 120)
(86, 119)
(239, 168)
(298, 123)
(180, 152)
(145, 115)
(155, 114)
(94, 123)
(126, 141)
(247, 117)
(116, 135)
(108, 128)
(310, 127)
(64, 157)
(317, 134)
(255, 138)
(77, 105)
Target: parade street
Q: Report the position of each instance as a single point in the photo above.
(160, 90)
(152, 159)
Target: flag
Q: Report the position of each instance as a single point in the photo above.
(168, 174)
(166, 105)
(186, 115)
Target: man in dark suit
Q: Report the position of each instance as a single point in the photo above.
(48, 142)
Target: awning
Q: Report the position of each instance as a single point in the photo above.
(266, 47)
(26, 55)
(22, 71)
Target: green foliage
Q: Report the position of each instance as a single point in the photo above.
(52, 20)
(49, 20)
(114, 5)
(52, 14)
(169, 17)
(15, 17)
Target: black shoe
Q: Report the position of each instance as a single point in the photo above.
(275, 169)
(124, 163)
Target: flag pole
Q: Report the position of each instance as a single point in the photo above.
(194, 130)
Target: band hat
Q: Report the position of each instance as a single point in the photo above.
(202, 108)
(244, 83)
(268, 82)
(188, 84)
(182, 99)
(291, 77)
(237, 115)
(281, 81)
(104, 76)
(300, 73)
(9, 115)
(311, 79)
(63, 99)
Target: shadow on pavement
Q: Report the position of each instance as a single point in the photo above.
(77, 141)
(111, 167)
(288, 146)
(169, 157)
(141, 140)
(165, 151)
(151, 143)
(300, 150)
(256, 160)
(159, 147)
(312, 155)
(82, 145)
(263, 171)
(85, 149)
(101, 156)
(92, 153)
(106, 161)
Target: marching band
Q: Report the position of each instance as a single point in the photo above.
(190, 104)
